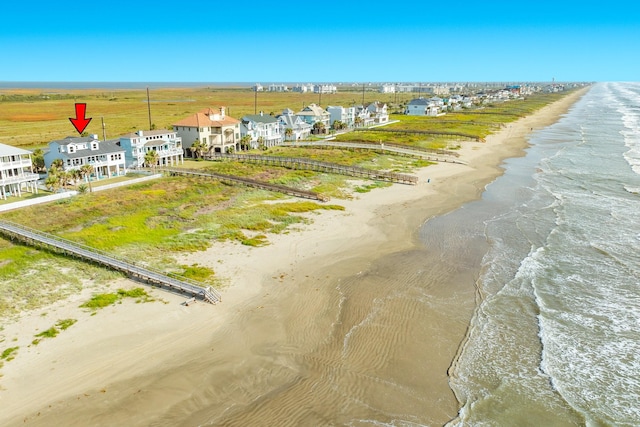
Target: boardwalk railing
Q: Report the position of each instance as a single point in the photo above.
(425, 132)
(248, 182)
(422, 153)
(307, 164)
(58, 244)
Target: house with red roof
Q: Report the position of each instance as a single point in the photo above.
(211, 127)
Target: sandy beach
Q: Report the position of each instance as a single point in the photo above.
(316, 328)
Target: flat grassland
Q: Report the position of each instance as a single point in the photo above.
(31, 118)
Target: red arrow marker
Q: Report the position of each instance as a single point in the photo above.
(80, 123)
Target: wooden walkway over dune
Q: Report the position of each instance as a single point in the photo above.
(432, 155)
(54, 243)
(424, 132)
(248, 182)
(307, 164)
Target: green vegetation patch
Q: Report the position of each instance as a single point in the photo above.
(9, 354)
(104, 300)
(196, 272)
(368, 187)
(52, 332)
(65, 324)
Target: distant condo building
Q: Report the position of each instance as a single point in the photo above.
(278, 88)
(324, 89)
(302, 88)
(387, 88)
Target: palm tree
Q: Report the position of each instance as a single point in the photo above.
(151, 158)
(358, 121)
(288, 132)
(197, 148)
(56, 165)
(52, 183)
(63, 178)
(245, 142)
(86, 171)
(75, 175)
(339, 124)
(319, 127)
(38, 160)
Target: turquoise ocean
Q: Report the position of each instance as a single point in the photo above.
(555, 339)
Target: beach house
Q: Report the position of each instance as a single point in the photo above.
(212, 128)
(346, 115)
(16, 172)
(263, 129)
(313, 114)
(106, 157)
(299, 129)
(166, 143)
(422, 107)
(363, 116)
(378, 112)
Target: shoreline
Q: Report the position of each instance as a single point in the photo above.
(125, 355)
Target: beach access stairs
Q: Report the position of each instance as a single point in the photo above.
(57, 244)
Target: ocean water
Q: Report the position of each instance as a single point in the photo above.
(555, 340)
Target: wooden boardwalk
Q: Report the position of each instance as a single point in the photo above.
(424, 132)
(54, 243)
(248, 182)
(443, 156)
(307, 164)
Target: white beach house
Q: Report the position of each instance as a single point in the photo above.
(166, 143)
(300, 129)
(346, 115)
(106, 157)
(263, 129)
(16, 172)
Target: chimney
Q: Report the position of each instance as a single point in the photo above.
(222, 112)
(140, 133)
(94, 136)
(261, 113)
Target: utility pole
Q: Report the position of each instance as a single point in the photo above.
(255, 101)
(104, 132)
(149, 107)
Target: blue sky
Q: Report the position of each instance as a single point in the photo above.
(326, 41)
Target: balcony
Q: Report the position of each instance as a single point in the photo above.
(16, 164)
(18, 179)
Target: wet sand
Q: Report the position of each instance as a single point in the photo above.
(351, 320)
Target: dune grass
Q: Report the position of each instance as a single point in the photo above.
(52, 332)
(104, 300)
(9, 354)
